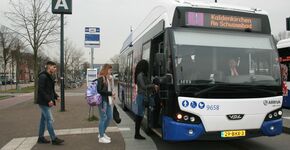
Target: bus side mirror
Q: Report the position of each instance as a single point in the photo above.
(159, 66)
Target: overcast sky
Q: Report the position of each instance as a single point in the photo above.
(115, 17)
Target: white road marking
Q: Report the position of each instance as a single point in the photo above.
(13, 144)
(286, 118)
(27, 143)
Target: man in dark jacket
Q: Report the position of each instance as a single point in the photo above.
(46, 100)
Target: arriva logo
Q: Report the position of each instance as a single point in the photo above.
(235, 116)
(271, 102)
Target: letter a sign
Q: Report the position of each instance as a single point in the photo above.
(61, 6)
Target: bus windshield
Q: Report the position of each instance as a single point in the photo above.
(215, 57)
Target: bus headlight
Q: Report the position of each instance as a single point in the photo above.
(276, 114)
(185, 117)
(280, 112)
(179, 116)
(192, 119)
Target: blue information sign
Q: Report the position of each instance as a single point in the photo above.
(92, 37)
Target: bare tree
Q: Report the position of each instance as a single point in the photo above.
(76, 63)
(29, 63)
(36, 24)
(7, 41)
(16, 58)
(73, 59)
(115, 59)
(69, 50)
(85, 66)
(42, 59)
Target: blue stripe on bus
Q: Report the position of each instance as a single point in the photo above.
(272, 128)
(175, 131)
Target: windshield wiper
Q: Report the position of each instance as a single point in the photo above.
(208, 89)
(189, 88)
(251, 87)
(262, 90)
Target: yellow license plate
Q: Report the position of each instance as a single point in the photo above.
(236, 133)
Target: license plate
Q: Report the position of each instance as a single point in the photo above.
(236, 133)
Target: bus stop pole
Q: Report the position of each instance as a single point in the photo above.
(92, 58)
(62, 105)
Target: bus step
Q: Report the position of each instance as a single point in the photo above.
(157, 131)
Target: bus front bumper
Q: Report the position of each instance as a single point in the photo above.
(176, 131)
(272, 128)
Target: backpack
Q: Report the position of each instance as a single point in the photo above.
(93, 97)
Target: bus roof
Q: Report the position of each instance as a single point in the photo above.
(165, 11)
(283, 43)
(211, 5)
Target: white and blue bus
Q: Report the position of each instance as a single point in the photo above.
(284, 57)
(218, 70)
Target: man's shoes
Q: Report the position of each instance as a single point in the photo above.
(42, 140)
(139, 137)
(57, 141)
(104, 140)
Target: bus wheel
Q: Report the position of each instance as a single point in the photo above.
(123, 102)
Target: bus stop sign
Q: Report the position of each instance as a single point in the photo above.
(61, 6)
(92, 37)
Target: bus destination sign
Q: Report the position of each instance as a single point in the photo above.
(284, 59)
(199, 19)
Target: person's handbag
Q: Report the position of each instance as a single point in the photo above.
(116, 115)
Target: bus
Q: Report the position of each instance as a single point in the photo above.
(218, 70)
(284, 57)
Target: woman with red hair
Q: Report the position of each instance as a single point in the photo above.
(105, 88)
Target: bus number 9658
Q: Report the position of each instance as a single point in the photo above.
(212, 107)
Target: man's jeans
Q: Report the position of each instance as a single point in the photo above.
(46, 119)
(105, 111)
